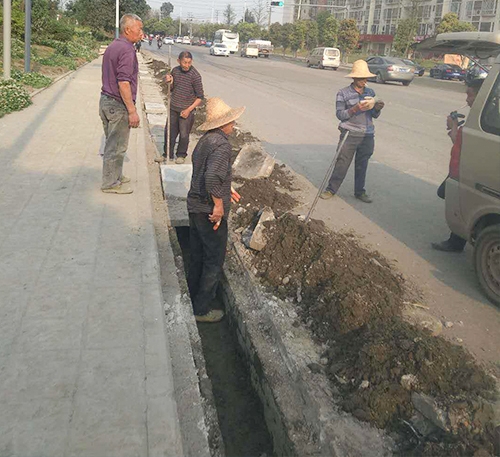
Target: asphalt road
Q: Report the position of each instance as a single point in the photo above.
(291, 109)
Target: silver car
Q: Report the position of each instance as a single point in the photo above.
(391, 69)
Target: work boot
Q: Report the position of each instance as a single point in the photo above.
(213, 316)
(364, 198)
(180, 160)
(326, 195)
(161, 158)
(120, 189)
(124, 179)
(446, 246)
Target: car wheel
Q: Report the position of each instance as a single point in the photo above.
(321, 67)
(406, 83)
(335, 68)
(379, 78)
(487, 262)
(308, 64)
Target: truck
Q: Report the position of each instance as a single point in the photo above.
(265, 47)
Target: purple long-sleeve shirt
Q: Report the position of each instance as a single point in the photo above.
(119, 63)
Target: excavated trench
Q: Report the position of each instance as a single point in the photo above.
(239, 410)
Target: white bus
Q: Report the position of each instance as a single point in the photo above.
(230, 39)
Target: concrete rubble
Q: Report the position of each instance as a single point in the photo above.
(253, 162)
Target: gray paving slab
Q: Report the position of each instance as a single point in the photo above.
(155, 108)
(157, 119)
(85, 366)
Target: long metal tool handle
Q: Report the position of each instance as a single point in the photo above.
(327, 176)
(167, 146)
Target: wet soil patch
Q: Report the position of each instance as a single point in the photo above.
(240, 412)
(351, 299)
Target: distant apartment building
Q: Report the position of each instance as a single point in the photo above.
(377, 19)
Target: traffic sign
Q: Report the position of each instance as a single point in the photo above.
(277, 3)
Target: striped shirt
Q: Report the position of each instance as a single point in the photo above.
(186, 89)
(211, 173)
(360, 122)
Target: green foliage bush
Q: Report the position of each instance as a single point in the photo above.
(58, 60)
(33, 79)
(13, 96)
(17, 48)
(84, 49)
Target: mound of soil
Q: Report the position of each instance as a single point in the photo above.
(351, 299)
(255, 195)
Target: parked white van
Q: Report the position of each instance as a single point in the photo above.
(324, 58)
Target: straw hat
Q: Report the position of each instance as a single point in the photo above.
(219, 114)
(360, 70)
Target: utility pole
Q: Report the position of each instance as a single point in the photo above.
(7, 16)
(117, 19)
(217, 16)
(180, 21)
(213, 8)
(298, 10)
(27, 36)
(269, 16)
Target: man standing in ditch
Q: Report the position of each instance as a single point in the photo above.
(209, 200)
(356, 108)
(117, 104)
(187, 95)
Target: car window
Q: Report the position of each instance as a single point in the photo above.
(332, 52)
(490, 117)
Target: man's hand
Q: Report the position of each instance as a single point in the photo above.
(235, 196)
(169, 79)
(216, 216)
(364, 105)
(185, 113)
(133, 120)
(379, 104)
(451, 123)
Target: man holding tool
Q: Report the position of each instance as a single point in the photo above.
(356, 107)
(186, 95)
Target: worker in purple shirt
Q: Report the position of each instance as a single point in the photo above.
(187, 95)
(356, 108)
(117, 104)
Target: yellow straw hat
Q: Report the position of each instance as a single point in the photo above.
(360, 70)
(219, 114)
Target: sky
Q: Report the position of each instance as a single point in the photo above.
(201, 10)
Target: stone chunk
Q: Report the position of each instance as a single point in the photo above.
(258, 240)
(157, 119)
(428, 408)
(253, 162)
(422, 319)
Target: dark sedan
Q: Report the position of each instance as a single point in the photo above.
(419, 70)
(447, 71)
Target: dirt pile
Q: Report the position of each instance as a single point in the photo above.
(351, 299)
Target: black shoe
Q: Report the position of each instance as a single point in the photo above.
(446, 246)
(364, 198)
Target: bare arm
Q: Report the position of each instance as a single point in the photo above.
(126, 94)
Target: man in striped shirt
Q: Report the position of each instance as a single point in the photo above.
(209, 200)
(187, 95)
(356, 108)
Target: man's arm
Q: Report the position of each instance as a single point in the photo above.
(185, 113)
(126, 94)
(198, 91)
(344, 113)
(216, 173)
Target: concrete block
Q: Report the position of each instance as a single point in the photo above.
(157, 119)
(155, 108)
(176, 180)
(259, 240)
(253, 162)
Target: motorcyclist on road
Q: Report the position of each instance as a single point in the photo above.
(159, 41)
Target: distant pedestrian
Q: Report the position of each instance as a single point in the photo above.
(356, 108)
(209, 200)
(117, 103)
(456, 243)
(187, 95)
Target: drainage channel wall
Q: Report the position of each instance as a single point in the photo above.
(284, 362)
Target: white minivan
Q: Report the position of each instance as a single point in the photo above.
(324, 58)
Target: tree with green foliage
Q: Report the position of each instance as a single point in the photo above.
(166, 26)
(311, 38)
(249, 17)
(17, 19)
(166, 9)
(451, 23)
(329, 32)
(298, 36)
(405, 36)
(207, 30)
(348, 36)
(248, 31)
(286, 36)
(229, 15)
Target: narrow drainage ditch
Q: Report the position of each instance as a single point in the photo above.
(239, 409)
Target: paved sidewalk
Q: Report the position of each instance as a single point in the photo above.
(84, 359)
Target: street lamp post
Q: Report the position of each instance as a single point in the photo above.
(27, 37)
(117, 19)
(7, 14)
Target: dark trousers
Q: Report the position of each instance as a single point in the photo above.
(179, 127)
(454, 240)
(207, 253)
(362, 147)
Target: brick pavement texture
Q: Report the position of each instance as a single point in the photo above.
(84, 359)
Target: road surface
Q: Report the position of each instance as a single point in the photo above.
(291, 109)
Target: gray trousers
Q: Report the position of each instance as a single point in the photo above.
(114, 116)
(362, 147)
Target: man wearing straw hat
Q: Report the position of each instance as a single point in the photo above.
(356, 108)
(209, 200)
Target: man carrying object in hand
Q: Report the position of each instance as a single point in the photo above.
(208, 201)
(356, 108)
